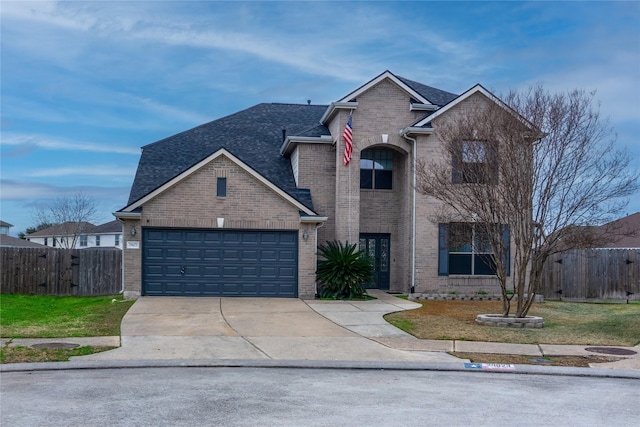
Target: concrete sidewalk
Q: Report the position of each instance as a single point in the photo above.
(366, 319)
(166, 328)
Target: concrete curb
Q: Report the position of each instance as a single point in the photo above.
(324, 364)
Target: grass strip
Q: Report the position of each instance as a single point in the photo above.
(36, 355)
(38, 316)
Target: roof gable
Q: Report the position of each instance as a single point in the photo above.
(478, 88)
(294, 201)
(418, 91)
(422, 97)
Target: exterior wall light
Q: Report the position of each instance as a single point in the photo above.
(305, 235)
(133, 231)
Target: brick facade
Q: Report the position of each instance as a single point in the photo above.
(383, 109)
(249, 204)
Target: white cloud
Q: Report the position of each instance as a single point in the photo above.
(25, 190)
(278, 33)
(95, 170)
(47, 142)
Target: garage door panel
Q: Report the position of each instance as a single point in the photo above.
(250, 238)
(193, 237)
(172, 254)
(211, 238)
(192, 254)
(211, 272)
(269, 272)
(231, 237)
(250, 255)
(286, 273)
(211, 255)
(268, 255)
(287, 255)
(174, 236)
(219, 262)
(288, 239)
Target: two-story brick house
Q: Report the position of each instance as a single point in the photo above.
(238, 206)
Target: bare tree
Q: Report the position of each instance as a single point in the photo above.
(541, 167)
(71, 214)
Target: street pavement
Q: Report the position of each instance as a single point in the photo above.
(268, 331)
(228, 396)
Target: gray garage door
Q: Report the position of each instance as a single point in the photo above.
(196, 262)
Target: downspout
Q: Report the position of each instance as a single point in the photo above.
(403, 132)
(315, 251)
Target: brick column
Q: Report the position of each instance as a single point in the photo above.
(132, 247)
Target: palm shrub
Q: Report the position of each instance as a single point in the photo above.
(343, 270)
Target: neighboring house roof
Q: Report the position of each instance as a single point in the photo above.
(5, 224)
(63, 229)
(623, 232)
(254, 136)
(110, 227)
(14, 242)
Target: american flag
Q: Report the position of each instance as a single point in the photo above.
(347, 135)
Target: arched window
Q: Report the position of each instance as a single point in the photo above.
(376, 169)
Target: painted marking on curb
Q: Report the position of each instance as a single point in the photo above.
(490, 366)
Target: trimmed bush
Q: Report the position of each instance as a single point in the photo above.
(343, 271)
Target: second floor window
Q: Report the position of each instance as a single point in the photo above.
(83, 241)
(97, 240)
(221, 187)
(471, 163)
(376, 169)
(117, 239)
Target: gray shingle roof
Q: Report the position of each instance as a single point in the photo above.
(435, 96)
(64, 229)
(253, 135)
(14, 242)
(110, 227)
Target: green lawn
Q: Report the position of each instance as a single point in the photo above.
(34, 316)
(565, 323)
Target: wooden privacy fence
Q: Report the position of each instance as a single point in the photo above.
(593, 275)
(48, 271)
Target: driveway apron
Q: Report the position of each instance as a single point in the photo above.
(255, 328)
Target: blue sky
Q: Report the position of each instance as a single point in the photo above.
(85, 84)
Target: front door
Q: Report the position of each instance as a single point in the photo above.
(378, 247)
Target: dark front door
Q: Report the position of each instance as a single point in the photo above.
(378, 247)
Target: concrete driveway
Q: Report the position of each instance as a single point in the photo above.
(262, 328)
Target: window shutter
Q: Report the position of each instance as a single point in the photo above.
(492, 164)
(443, 249)
(456, 164)
(506, 242)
